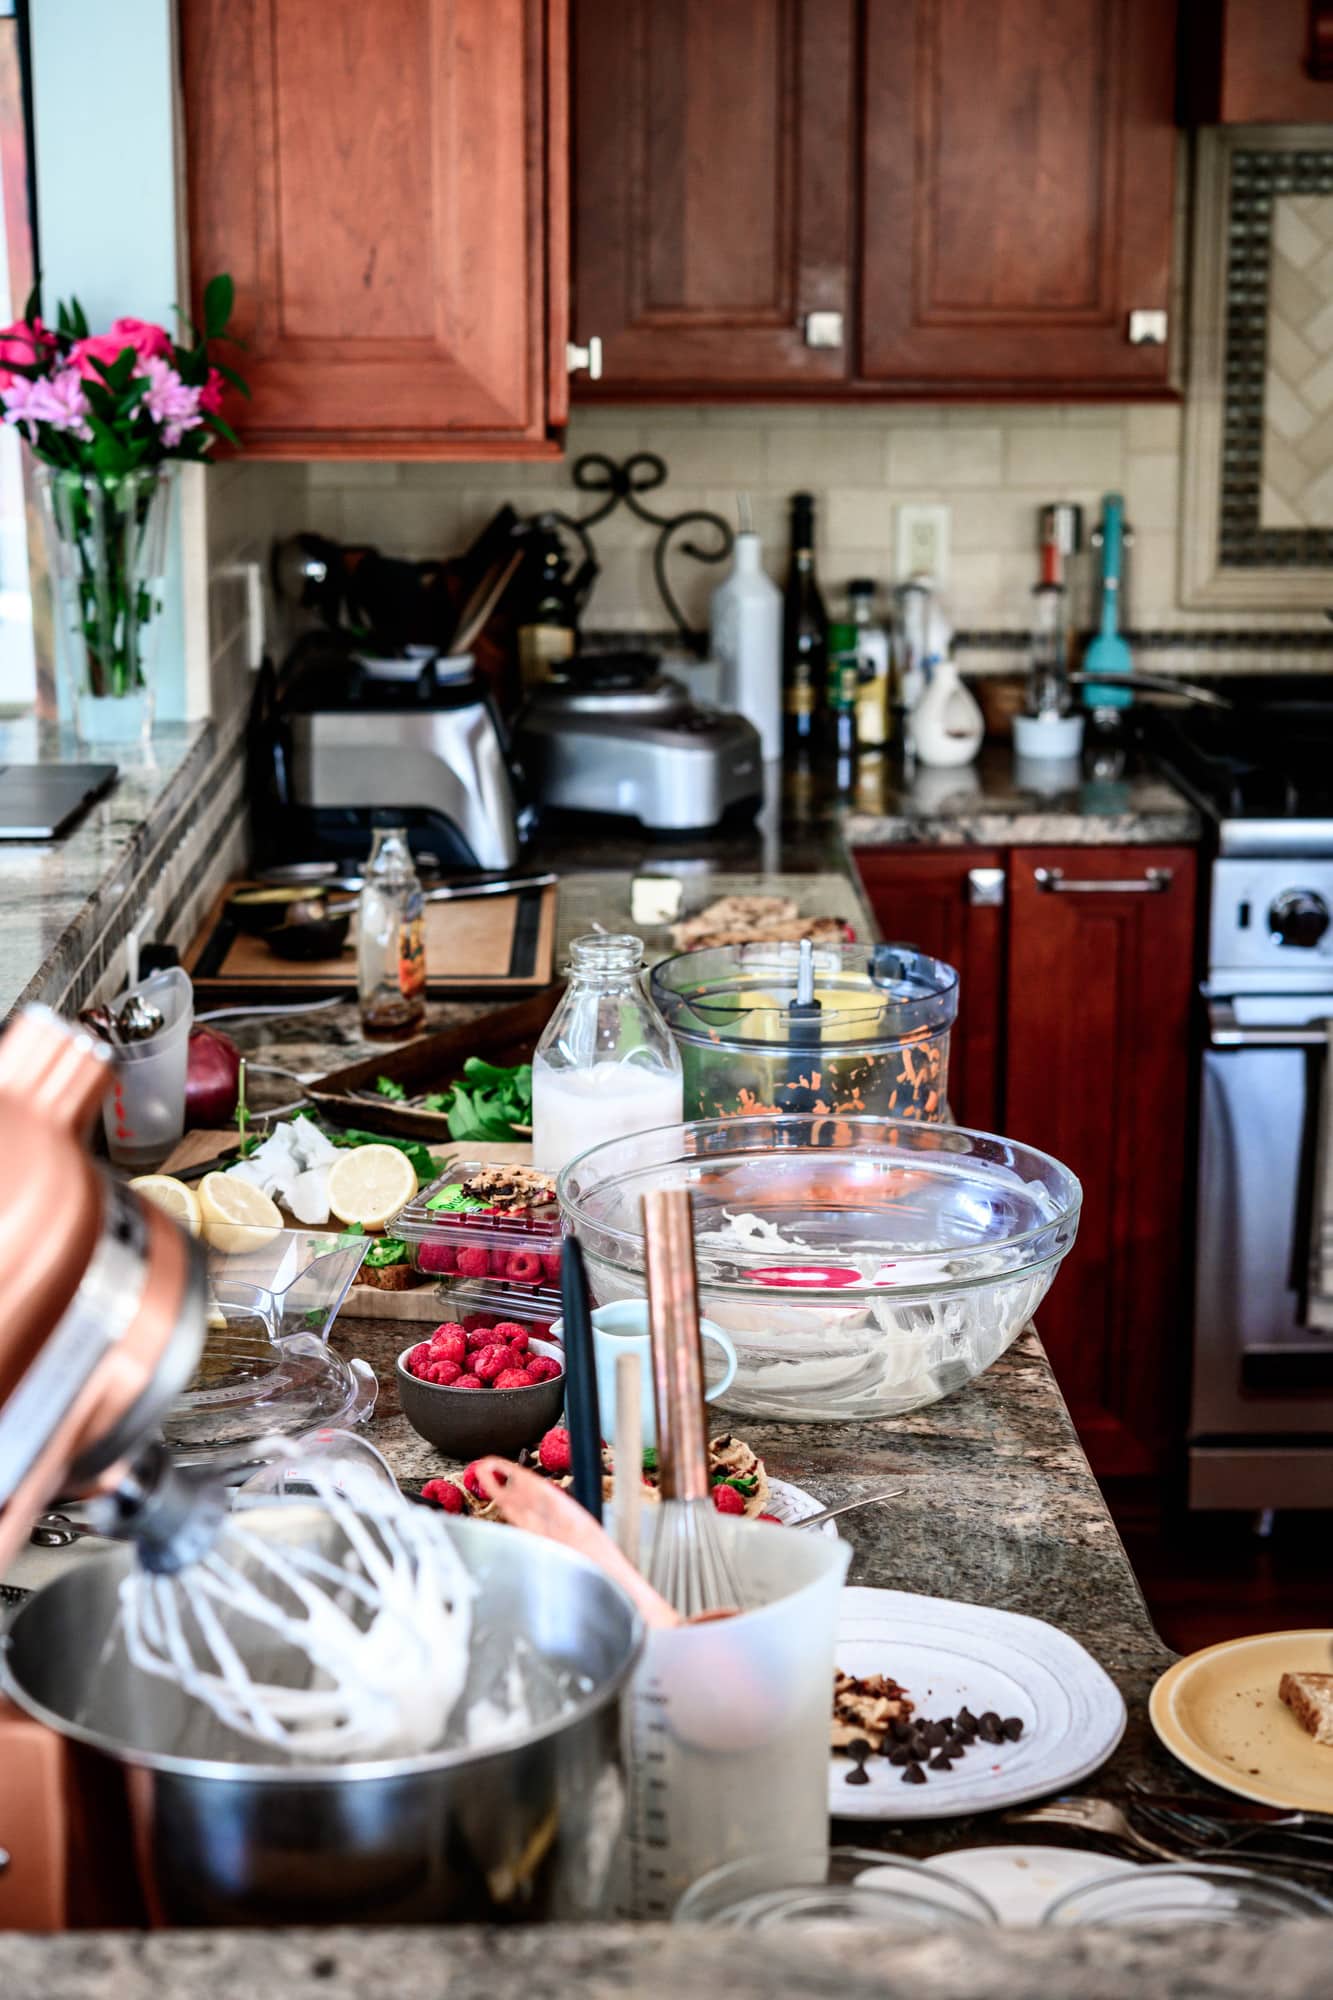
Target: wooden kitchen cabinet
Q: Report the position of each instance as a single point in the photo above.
(388, 187)
(1016, 194)
(1009, 167)
(950, 902)
(1256, 62)
(1097, 1072)
(712, 193)
(1073, 1035)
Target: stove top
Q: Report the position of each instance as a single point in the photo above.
(1263, 770)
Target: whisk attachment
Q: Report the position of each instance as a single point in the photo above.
(327, 1631)
(689, 1562)
(171, 1514)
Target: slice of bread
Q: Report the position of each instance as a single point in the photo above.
(1310, 1699)
(388, 1277)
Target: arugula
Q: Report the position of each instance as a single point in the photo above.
(386, 1087)
(487, 1101)
(423, 1160)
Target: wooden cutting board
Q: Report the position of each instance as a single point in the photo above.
(481, 946)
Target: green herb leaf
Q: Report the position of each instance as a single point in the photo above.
(386, 1087)
(650, 1458)
(219, 297)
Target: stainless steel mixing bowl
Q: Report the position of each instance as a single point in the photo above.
(527, 1829)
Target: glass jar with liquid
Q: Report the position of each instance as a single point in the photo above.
(391, 940)
(606, 1066)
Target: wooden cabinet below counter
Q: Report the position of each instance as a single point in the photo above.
(387, 186)
(1076, 987)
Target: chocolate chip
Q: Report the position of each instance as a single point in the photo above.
(902, 1729)
(946, 1722)
(900, 1754)
(914, 1775)
(860, 1776)
(991, 1732)
(954, 1746)
(940, 1763)
(965, 1719)
(992, 1717)
(935, 1733)
(1012, 1727)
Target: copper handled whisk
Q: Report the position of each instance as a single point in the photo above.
(689, 1562)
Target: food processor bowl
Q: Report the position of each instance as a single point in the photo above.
(517, 1829)
(878, 1041)
(862, 1266)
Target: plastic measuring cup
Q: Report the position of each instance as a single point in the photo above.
(144, 1114)
(727, 1724)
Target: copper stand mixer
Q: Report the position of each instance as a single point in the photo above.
(102, 1313)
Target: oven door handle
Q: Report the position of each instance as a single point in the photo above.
(1225, 1032)
(1054, 881)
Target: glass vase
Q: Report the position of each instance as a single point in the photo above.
(107, 549)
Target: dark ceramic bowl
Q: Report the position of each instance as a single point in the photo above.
(465, 1423)
(255, 912)
(309, 931)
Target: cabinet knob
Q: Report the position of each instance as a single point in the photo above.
(823, 329)
(985, 887)
(1147, 329)
(580, 359)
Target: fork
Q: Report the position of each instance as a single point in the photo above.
(1199, 1831)
(1081, 1814)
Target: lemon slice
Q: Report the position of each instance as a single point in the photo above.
(173, 1198)
(237, 1215)
(370, 1184)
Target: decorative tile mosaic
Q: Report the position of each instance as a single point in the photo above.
(1277, 437)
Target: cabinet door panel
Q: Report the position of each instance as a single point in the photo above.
(1097, 1073)
(374, 178)
(923, 897)
(712, 189)
(1016, 200)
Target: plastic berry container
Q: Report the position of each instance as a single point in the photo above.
(454, 1237)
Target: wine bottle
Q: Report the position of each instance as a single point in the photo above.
(804, 636)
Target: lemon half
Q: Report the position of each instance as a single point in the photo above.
(172, 1197)
(369, 1184)
(237, 1216)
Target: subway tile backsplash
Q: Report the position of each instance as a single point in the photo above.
(992, 467)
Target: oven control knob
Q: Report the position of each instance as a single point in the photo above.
(1298, 917)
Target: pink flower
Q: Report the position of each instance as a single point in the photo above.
(210, 396)
(143, 336)
(57, 400)
(169, 401)
(25, 344)
(103, 347)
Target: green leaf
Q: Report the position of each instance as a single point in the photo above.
(78, 320)
(238, 382)
(118, 372)
(32, 305)
(386, 1087)
(222, 427)
(219, 297)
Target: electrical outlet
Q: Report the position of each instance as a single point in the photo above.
(923, 542)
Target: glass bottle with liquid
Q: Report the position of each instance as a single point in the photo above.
(607, 1065)
(874, 673)
(804, 637)
(391, 939)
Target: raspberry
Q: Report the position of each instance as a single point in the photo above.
(517, 1357)
(553, 1453)
(446, 1373)
(513, 1378)
(449, 1344)
(471, 1481)
(524, 1266)
(510, 1330)
(474, 1263)
(468, 1382)
(419, 1360)
(445, 1494)
(543, 1368)
(727, 1500)
(438, 1258)
(482, 1336)
(492, 1361)
(775, 1518)
(551, 1266)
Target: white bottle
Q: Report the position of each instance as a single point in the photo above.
(947, 724)
(746, 635)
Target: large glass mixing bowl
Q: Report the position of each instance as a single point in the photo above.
(879, 1042)
(862, 1266)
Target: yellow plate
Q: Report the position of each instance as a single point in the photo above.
(1219, 1713)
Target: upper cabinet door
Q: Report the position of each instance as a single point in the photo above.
(377, 179)
(712, 173)
(1016, 194)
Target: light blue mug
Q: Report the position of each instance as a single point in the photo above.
(622, 1328)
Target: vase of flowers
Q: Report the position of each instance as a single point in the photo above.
(109, 417)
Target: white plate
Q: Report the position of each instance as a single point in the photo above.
(949, 1656)
(1021, 1883)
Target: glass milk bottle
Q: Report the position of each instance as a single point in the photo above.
(607, 1065)
(390, 939)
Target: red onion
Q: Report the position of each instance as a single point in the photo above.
(211, 1079)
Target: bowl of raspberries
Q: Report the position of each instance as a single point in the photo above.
(480, 1388)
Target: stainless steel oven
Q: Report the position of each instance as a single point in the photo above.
(1261, 1420)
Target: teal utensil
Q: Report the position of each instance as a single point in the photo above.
(1108, 653)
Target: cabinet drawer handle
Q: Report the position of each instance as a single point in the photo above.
(1056, 883)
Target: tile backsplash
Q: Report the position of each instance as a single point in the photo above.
(991, 466)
